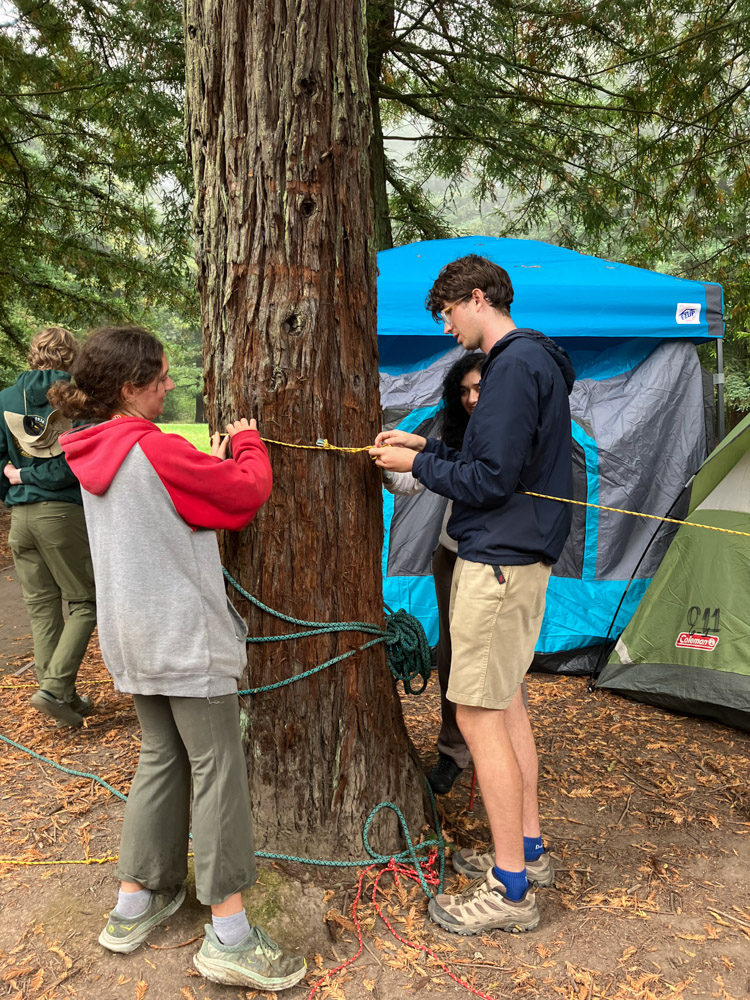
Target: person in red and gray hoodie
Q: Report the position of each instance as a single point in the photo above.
(170, 637)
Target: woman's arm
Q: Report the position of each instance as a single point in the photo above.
(401, 483)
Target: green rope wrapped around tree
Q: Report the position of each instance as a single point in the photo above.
(408, 651)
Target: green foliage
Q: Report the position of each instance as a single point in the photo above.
(737, 369)
(608, 126)
(93, 184)
(182, 339)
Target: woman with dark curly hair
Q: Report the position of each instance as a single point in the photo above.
(460, 395)
(170, 637)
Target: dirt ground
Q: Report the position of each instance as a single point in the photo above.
(648, 814)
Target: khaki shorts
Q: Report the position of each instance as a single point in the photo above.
(494, 628)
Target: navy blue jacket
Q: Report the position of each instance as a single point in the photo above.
(518, 438)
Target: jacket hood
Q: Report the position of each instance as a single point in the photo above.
(558, 355)
(35, 384)
(96, 452)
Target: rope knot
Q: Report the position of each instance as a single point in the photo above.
(408, 650)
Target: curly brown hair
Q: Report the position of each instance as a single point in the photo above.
(110, 358)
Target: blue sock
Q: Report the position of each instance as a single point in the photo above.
(533, 848)
(515, 883)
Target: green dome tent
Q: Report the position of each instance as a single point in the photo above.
(687, 647)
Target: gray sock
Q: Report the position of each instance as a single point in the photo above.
(132, 904)
(231, 930)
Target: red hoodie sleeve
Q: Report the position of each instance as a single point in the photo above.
(206, 491)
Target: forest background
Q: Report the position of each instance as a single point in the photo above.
(611, 127)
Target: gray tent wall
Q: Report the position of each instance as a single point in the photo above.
(639, 435)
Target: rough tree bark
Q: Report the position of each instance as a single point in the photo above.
(278, 127)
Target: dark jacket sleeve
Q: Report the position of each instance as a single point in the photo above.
(501, 432)
(4, 459)
(48, 474)
(436, 447)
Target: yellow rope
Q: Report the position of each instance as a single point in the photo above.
(633, 513)
(322, 444)
(83, 861)
(20, 687)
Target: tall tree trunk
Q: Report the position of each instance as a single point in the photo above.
(380, 24)
(278, 127)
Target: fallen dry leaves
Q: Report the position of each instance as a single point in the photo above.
(648, 814)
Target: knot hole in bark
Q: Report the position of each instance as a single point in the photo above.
(292, 325)
(192, 31)
(307, 207)
(307, 86)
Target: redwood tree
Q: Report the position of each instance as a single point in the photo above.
(278, 127)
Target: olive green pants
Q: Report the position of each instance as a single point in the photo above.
(50, 549)
(188, 740)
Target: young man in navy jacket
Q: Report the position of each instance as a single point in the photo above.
(518, 442)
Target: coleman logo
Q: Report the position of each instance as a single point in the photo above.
(688, 640)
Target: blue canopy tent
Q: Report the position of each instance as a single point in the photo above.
(638, 408)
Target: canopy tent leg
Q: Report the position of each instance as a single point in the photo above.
(719, 383)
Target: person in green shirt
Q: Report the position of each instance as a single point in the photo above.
(48, 536)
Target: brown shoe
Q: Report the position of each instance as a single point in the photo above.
(476, 864)
(485, 907)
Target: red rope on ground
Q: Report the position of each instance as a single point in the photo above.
(397, 869)
(349, 961)
(414, 944)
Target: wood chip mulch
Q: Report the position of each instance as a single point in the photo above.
(648, 815)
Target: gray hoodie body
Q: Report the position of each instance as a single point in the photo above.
(166, 626)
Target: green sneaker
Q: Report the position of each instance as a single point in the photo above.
(256, 961)
(476, 864)
(124, 934)
(61, 711)
(484, 907)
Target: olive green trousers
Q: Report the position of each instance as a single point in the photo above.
(189, 741)
(50, 549)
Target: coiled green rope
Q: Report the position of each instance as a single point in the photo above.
(408, 651)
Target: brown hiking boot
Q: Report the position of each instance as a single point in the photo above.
(485, 907)
(476, 864)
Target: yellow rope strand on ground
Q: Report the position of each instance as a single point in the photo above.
(20, 687)
(82, 861)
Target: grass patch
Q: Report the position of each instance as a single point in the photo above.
(197, 434)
